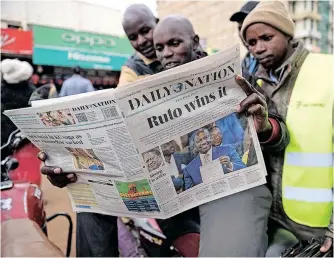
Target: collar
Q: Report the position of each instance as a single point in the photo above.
(145, 59)
(284, 70)
(209, 153)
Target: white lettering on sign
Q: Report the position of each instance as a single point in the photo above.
(88, 40)
(87, 58)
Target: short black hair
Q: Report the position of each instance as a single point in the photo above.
(76, 70)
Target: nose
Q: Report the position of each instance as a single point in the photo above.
(141, 40)
(260, 48)
(167, 52)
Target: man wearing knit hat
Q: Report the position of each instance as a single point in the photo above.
(298, 85)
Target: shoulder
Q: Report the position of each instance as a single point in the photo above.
(223, 148)
(133, 61)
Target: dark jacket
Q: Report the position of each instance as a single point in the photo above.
(13, 96)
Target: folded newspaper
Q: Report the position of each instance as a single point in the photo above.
(153, 148)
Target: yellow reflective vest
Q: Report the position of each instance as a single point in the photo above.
(307, 183)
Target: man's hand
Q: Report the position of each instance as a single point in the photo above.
(225, 160)
(326, 245)
(55, 175)
(254, 104)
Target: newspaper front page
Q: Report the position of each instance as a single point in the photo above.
(156, 147)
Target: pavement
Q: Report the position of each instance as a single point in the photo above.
(57, 200)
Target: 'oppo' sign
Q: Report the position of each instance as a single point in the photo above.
(90, 40)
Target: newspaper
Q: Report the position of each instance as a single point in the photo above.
(153, 148)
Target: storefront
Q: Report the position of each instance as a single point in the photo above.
(68, 48)
(16, 43)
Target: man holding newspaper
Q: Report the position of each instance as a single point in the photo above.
(175, 44)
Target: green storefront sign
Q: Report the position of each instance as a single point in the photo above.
(62, 47)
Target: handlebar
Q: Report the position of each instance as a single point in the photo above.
(15, 139)
(8, 163)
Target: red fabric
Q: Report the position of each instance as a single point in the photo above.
(276, 131)
(15, 41)
(188, 245)
(29, 165)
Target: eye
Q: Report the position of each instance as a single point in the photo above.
(159, 48)
(132, 37)
(145, 30)
(175, 43)
(267, 38)
(251, 42)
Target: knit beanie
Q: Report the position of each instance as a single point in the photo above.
(273, 13)
(15, 71)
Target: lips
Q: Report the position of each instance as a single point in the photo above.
(170, 65)
(147, 50)
(265, 59)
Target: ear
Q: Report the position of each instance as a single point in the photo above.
(196, 42)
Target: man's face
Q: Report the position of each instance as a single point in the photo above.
(139, 30)
(152, 160)
(268, 45)
(174, 46)
(202, 142)
(216, 137)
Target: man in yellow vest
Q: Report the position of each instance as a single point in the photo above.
(298, 86)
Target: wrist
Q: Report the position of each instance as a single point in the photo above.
(265, 134)
(271, 135)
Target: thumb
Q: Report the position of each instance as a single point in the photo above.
(42, 156)
(326, 245)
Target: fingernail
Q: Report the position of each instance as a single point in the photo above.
(57, 170)
(238, 108)
(70, 176)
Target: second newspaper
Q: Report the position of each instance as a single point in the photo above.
(153, 148)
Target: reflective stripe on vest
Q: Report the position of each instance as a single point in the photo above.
(307, 182)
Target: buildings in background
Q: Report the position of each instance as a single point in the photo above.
(211, 20)
(314, 21)
(70, 14)
(314, 24)
(56, 35)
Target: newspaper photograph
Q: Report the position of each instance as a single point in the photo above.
(155, 148)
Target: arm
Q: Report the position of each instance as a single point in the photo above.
(235, 159)
(279, 138)
(127, 76)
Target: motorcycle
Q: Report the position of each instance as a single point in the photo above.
(309, 248)
(23, 217)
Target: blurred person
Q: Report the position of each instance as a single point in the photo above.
(43, 80)
(58, 82)
(299, 87)
(15, 91)
(249, 62)
(229, 226)
(76, 84)
(34, 79)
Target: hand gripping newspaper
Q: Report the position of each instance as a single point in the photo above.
(153, 148)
